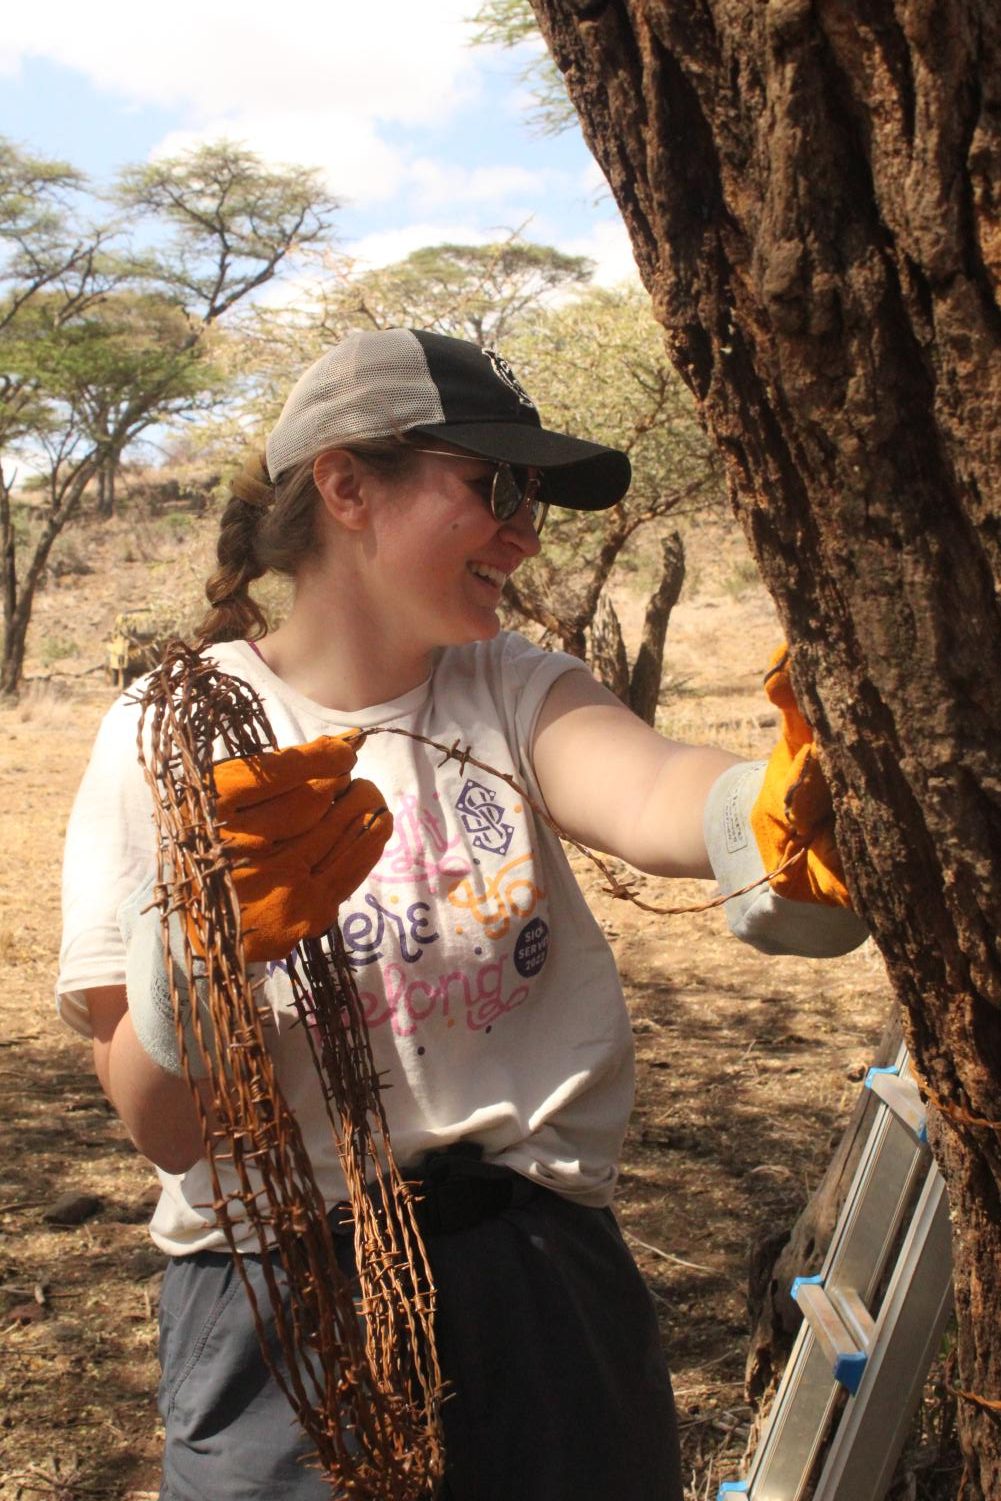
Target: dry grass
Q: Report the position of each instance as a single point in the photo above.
(44, 703)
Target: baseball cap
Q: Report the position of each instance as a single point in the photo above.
(392, 381)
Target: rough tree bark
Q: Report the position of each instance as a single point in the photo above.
(811, 191)
(106, 477)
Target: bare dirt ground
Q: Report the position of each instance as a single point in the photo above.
(747, 1066)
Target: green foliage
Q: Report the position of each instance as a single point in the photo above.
(512, 23)
(97, 378)
(39, 240)
(99, 343)
(232, 221)
(598, 367)
(475, 292)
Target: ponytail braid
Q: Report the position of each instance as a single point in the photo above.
(235, 615)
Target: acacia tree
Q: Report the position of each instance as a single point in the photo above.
(119, 342)
(477, 292)
(811, 192)
(51, 260)
(597, 364)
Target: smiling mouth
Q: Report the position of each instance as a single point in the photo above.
(495, 576)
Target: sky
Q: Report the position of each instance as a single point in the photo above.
(422, 137)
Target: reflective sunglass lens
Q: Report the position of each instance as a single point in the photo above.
(506, 495)
(511, 488)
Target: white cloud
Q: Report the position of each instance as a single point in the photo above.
(317, 82)
(387, 59)
(438, 182)
(385, 247)
(608, 246)
(357, 166)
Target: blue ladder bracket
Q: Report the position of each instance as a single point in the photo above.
(921, 1131)
(733, 1488)
(849, 1370)
(847, 1366)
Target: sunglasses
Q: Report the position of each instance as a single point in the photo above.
(510, 489)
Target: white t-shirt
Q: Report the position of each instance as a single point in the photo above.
(493, 1004)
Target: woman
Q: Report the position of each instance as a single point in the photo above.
(407, 478)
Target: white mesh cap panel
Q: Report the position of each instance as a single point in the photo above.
(371, 385)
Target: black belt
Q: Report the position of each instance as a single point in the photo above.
(454, 1189)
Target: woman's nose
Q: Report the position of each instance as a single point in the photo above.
(519, 529)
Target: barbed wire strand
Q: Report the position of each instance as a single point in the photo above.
(621, 890)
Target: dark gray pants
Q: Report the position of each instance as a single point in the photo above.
(546, 1336)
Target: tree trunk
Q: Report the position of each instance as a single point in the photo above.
(106, 488)
(607, 657)
(811, 191)
(648, 669)
(8, 562)
(19, 594)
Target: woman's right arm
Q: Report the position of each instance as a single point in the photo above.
(155, 1106)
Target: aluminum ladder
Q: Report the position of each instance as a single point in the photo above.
(872, 1320)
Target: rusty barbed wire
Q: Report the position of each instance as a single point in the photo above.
(622, 891)
(366, 1391)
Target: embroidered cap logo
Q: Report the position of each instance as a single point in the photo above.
(504, 372)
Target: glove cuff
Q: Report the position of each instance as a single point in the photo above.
(768, 922)
(146, 984)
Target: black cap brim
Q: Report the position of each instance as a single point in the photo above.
(577, 474)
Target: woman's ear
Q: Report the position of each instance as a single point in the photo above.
(339, 477)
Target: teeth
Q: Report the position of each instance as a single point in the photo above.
(492, 575)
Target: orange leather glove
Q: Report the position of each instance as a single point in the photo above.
(793, 810)
(301, 835)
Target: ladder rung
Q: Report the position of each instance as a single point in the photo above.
(857, 1319)
(847, 1361)
(900, 1094)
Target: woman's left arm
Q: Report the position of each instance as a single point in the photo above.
(616, 785)
(613, 783)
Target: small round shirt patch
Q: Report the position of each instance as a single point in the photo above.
(532, 948)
